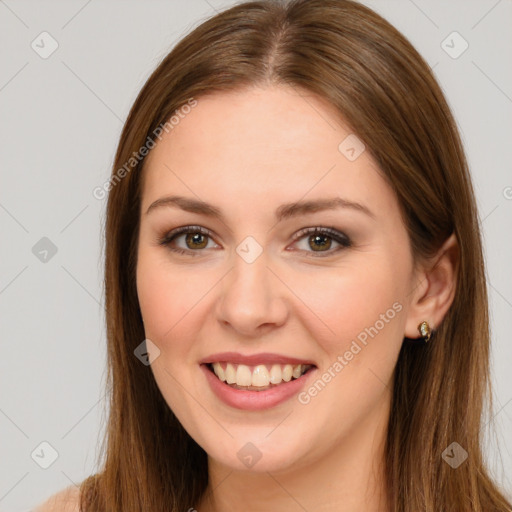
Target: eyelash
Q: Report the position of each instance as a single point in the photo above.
(337, 236)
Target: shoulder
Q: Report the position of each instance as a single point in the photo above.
(66, 500)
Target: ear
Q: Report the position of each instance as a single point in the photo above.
(433, 288)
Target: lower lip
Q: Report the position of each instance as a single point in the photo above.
(255, 400)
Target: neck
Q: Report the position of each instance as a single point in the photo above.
(349, 478)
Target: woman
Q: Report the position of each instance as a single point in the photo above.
(249, 371)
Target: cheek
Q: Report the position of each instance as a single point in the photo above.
(336, 305)
(162, 296)
(365, 313)
(164, 291)
(174, 301)
(155, 297)
(354, 302)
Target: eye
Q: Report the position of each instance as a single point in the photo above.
(321, 238)
(196, 238)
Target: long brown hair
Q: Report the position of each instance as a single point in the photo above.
(384, 90)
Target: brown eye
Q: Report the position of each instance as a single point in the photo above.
(196, 239)
(320, 241)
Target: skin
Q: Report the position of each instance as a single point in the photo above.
(247, 153)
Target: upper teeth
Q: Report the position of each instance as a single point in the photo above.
(259, 375)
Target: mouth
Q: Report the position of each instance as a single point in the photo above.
(258, 377)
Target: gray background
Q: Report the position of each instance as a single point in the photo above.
(60, 119)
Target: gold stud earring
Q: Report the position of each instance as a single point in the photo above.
(425, 331)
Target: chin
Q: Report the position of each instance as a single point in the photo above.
(260, 455)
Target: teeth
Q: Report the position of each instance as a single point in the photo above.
(287, 372)
(230, 373)
(219, 371)
(258, 376)
(296, 371)
(243, 375)
(275, 374)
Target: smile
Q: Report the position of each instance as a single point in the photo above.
(257, 377)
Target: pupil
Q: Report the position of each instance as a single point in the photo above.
(315, 239)
(196, 237)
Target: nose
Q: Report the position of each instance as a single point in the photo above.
(252, 298)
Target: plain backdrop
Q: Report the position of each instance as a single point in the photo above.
(61, 114)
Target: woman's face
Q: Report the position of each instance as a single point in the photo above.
(254, 283)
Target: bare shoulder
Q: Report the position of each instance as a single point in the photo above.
(66, 500)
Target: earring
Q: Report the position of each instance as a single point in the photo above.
(425, 330)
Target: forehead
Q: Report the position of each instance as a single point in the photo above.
(262, 147)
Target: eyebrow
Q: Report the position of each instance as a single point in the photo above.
(284, 211)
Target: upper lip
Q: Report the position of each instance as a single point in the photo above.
(254, 359)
